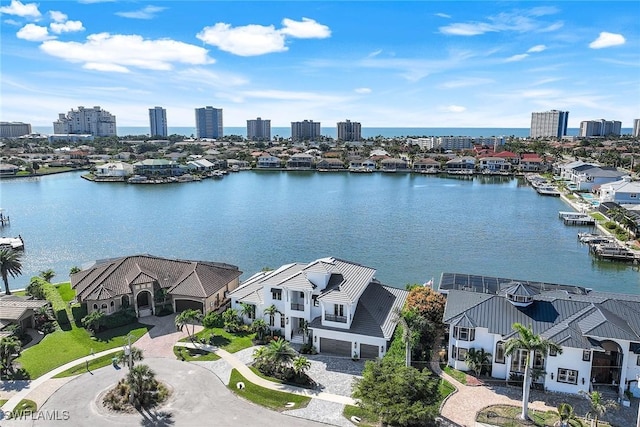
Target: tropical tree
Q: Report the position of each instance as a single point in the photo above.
(598, 405)
(142, 384)
(429, 304)
(275, 357)
(477, 359)
(260, 327)
(247, 310)
(48, 275)
(411, 323)
(10, 265)
(189, 316)
(304, 330)
(10, 348)
(73, 270)
(301, 365)
(531, 343)
(136, 355)
(271, 311)
(93, 320)
(231, 319)
(565, 413)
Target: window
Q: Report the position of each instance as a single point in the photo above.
(302, 295)
(282, 321)
(316, 303)
(568, 376)
(276, 294)
(454, 352)
(338, 310)
(586, 355)
(95, 306)
(552, 352)
(272, 321)
(519, 360)
(638, 360)
(499, 352)
(104, 306)
(464, 334)
(462, 352)
(633, 195)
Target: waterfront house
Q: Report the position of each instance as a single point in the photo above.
(624, 191)
(300, 161)
(267, 161)
(18, 311)
(157, 168)
(394, 165)
(426, 165)
(7, 169)
(586, 177)
(115, 169)
(565, 170)
(362, 165)
(494, 164)
(348, 311)
(510, 156)
(238, 164)
(330, 164)
(145, 282)
(532, 163)
(201, 165)
(599, 332)
(465, 164)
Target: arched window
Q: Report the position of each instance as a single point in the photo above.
(95, 306)
(104, 306)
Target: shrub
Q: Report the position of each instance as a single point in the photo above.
(57, 303)
(78, 311)
(121, 317)
(213, 320)
(610, 225)
(165, 311)
(35, 288)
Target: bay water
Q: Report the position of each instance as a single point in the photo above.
(409, 227)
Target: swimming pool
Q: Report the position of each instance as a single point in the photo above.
(588, 197)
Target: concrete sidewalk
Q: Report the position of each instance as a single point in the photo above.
(255, 379)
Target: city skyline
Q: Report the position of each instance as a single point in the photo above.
(419, 64)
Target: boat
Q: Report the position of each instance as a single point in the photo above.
(217, 174)
(138, 179)
(15, 243)
(548, 190)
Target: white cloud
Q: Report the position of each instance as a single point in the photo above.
(253, 40)
(374, 53)
(518, 21)
(305, 29)
(453, 109)
(12, 22)
(537, 48)
(516, 58)
(147, 12)
(443, 15)
(293, 96)
(107, 52)
(34, 33)
(606, 39)
(249, 40)
(66, 27)
(29, 10)
(466, 82)
(57, 16)
(363, 90)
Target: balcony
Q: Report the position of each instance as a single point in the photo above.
(297, 307)
(333, 318)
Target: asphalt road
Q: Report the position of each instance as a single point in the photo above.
(199, 398)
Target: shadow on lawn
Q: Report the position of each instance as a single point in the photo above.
(121, 331)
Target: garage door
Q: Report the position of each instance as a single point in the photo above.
(335, 347)
(368, 351)
(185, 304)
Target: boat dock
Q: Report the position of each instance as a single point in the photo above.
(576, 218)
(4, 218)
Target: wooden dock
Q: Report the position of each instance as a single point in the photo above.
(576, 218)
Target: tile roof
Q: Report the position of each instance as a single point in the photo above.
(13, 307)
(110, 278)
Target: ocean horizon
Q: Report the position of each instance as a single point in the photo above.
(367, 132)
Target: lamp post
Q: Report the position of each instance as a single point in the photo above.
(127, 351)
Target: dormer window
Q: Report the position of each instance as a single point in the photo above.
(520, 298)
(464, 334)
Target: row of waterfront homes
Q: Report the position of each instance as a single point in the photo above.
(347, 312)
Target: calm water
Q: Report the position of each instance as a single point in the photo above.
(410, 228)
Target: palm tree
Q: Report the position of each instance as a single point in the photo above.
(599, 406)
(48, 275)
(93, 320)
(476, 359)
(142, 382)
(531, 343)
(277, 355)
(73, 270)
(9, 350)
(137, 355)
(247, 310)
(10, 265)
(187, 317)
(411, 323)
(260, 327)
(565, 412)
(301, 365)
(271, 311)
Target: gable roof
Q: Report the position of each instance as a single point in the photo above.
(115, 277)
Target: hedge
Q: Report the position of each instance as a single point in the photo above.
(119, 318)
(57, 303)
(78, 311)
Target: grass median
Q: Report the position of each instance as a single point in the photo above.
(272, 399)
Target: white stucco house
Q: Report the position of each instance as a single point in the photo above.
(348, 310)
(115, 169)
(624, 191)
(599, 332)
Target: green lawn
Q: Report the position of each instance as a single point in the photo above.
(271, 399)
(65, 291)
(367, 419)
(62, 347)
(192, 355)
(3, 401)
(459, 376)
(225, 340)
(95, 363)
(25, 405)
(445, 388)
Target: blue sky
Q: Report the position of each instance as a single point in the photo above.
(384, 64)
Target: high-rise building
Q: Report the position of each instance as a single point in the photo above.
(209, 122)
(259, 130)
(349, 131)
(549, 124)
(14, 129)
(636, 128)
(305, 130)
(158, 121)
(92, 121)
(600, 127)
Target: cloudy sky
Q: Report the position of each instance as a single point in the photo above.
(384, 64)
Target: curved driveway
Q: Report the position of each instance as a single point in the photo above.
(199, 398)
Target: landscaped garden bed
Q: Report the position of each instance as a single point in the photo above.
(509, 416)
